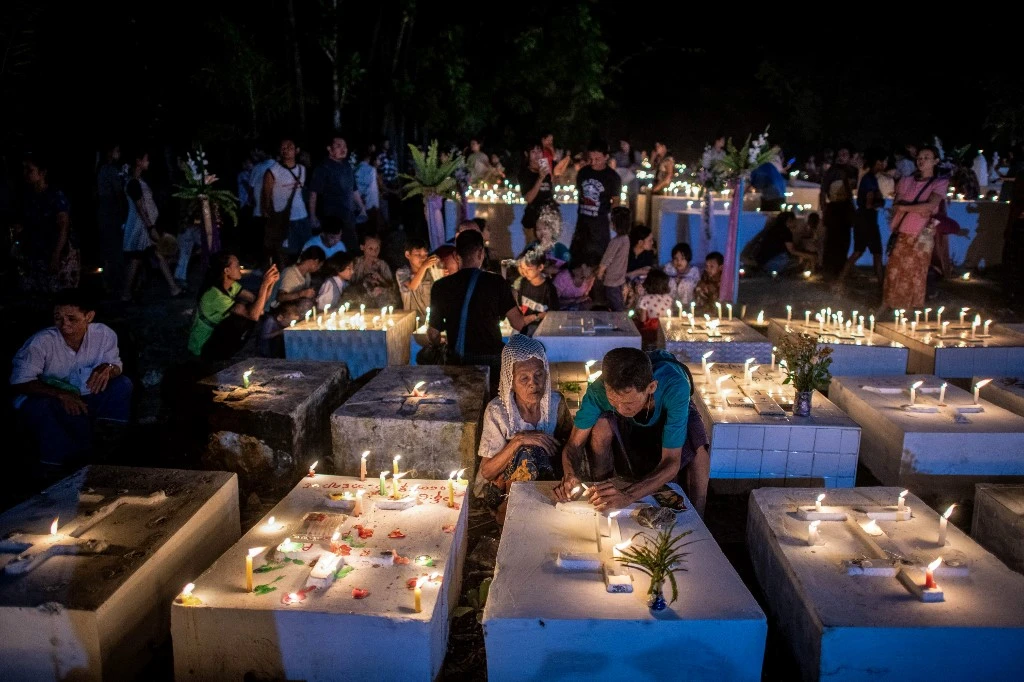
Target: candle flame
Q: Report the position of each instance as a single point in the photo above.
(904, 494)
(337, 534)
(613, 514)
(420, 581)
(399, 475)
(814, 525)
(384, 474)
(949, 511)
(708, 354)
(365, 455)
(917, 384)
(312, 467)
(591, 378)
(459, 473)
(187, 590)
(451, 476)
(53, 526)
(396, 458)
(359, 493)
(270, 521)
(983, 382)
(935, 564)
(871, 525)
(292, 596)
(588, 364)
(749, 360)
(754, 369)
(416, 388)
(256, 550)
(623, 545)
(247, 373)
(574, 490)
(821, 497)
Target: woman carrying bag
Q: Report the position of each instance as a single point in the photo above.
(918, 200)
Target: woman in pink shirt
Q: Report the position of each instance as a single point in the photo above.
(575, 282)
(918, 198)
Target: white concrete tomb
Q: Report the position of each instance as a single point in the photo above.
(362, 342)
(570, 336)
(732, 340)
(854, 350)
(957, 353)
(998, 523)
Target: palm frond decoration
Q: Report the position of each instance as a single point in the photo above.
(658, 557)
(742, 160)
(430, 176)
(198, 186)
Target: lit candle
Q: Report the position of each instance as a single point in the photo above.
(394, 485)
(760, 317)
(789, 313)
(977, 390)
(319, 320)
(383, 490)
(746, 369)
(312, 469)
(913, 390)
(750, 373)
(917, 316)
(459, 480)
(871, 319)
(703, 361)
(416, 390)
(719, 380)
(245, 378)
(248, 567)
(963, 311)
(901, 501)
(728, 307)
(357, 508)
(272, 525)
(591, 378)
(587, 365)
(821, 322)
(451, 490)
(817, 502)
(938, 314)
(619, 549)
(944, 326)
(718, 307)
(679, 307)
(394, 464)
(418, 596)
(913, 327)
(611, 515)
(929, 574)
(693, 305)
(707, 372)
(362, 465)
(987, 324)
(926, 313)
(326, 308)
(362, 308)
(309, 313)
(813, 538)
(871, 527)
(807, 318)
(774, 348)
(391, 310)
(942, 392)
(944, 524)
(896, 317)
(428, 315)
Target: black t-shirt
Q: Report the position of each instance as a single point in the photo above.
(545, 196)
(646, 259)
(535, 298)
(596, 189)
(774, 241)
(491, 299)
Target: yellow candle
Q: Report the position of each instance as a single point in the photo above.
(248, 567)
(418, 596)
(394, 463)
(451, 490)
(394, 487)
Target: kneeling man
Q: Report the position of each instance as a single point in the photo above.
(636, 422)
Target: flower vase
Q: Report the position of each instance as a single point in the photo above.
(656, 596)
(802, 404)
(433, 207)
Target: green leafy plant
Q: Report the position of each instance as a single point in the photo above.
(571, 387)
(476, 599)
(741, 161)
(658, 557)
(198, 186)
(807, 363)
(430, 176)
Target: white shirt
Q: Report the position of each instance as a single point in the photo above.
(330, 292)
(46, 354)
(285, 180)
(366, 182)
(256, 182)
(328, 250)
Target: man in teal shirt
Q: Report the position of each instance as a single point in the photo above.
(636, 422)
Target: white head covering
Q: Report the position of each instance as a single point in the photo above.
(521, 347)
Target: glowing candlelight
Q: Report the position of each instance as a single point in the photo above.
(944, 524)
(245, 378)
(679, 307)
(821, 322)
(394, 464)
(813, 538)
(871, 319)
(789, 313)
(938, 314)
(391, 310)
(913, 327)
(817, 502)
(693, 305)
(394, 485)
(418, 596)
(187, 590)
(272, 525)
(977, 390)
(942, 392)
(944, 326)
(312, 469)
(746, 369)
(963, 311)
(871, 527)
(760, 317)
(591, 378)
(728, 307)
(704, 362)
(248, 567)
(416, 389)
(913, 390)
(587, 365)
(362, 309)
(718, 307)
(719, 380)
(383, 490)
(988, 323)
(309, 313)
(929, 574)
(917, 316)
(53, 526)
(707, 371)
(619, 549)
(774, 348)
(611, 515)
(807, 318)
(451, 490)
(362, 465)
(927, 311)
(901, 501)
(459, 480)
(357, 508)
(750, 373)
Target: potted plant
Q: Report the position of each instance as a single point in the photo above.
(433, 180)
(658, 557)
(807, 368)
(197, 190)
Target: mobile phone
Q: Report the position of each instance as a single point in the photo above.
(670, 499)
(791, 161)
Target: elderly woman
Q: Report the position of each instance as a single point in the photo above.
(523, 425)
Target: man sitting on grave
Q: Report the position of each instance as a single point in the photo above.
(523, 425)
(637, 422)
(66, 379)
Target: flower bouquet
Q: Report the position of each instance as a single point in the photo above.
(197, 190)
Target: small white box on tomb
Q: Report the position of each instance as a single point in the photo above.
(301, 623)
(106, 549)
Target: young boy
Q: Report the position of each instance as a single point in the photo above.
(296, 281)
(270, 342)
(338, 271)
(372, 275)
(612, 270)
(534, 292)
(416, 279)
(707, 290)
(682, 276)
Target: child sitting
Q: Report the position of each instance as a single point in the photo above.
(372, 277)
(270, 342)
(574, 284)
(654, 303)
(338, 271)
(682, 276)
(612, 271)
(534, 292)
(707, 291)
(416, 279)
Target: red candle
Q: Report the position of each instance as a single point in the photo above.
(929, 574)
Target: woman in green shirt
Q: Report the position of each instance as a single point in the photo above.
(227, 313)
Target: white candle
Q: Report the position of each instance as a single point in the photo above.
(913, 390)
(789, 313)
(913, 327)
(679, 307)
(750, 373)
(718, 307)
(926, 312)
(963, 311)
(707, 371)
(938, 314)
(357, 508)
(813, 538)
(817, 502)
(821, 322)
(977, 389)
(987, 323)
(703, 361)
(901, 500)
(693, 305)
(774, 348)
(871, 319)
(719, 380)
(943, 525)
(746, 368)
(807, 318)
(917, 316)
(362, 465)
(896, 317)
(611, 515)
(944, 326)
(728, 307)
(942, 393)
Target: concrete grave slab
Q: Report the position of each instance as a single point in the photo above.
(737, 341)
(998, 523)
(362, 344)
(941, 451)
(90, 601)
(956, 354)
(580, 336)
(418, 340)
(856, 627)
(435, 433)
(539, 618)
(756, 438)
(852, 353)
(276, 425)
(358, 621)
(1006, 392)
